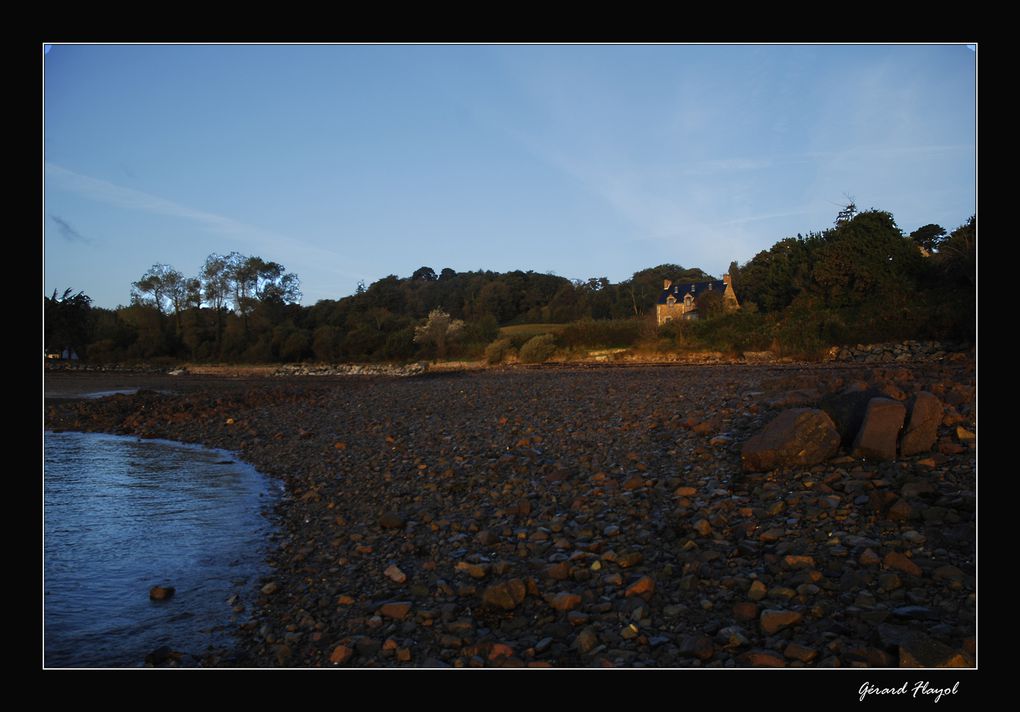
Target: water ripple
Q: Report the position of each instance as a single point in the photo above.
(123, 515)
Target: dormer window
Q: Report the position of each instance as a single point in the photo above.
(671, 300)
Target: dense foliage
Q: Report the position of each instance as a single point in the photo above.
(861, 281)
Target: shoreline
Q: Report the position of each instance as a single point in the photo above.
(521, 507)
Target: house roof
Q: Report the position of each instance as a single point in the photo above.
(682, 289)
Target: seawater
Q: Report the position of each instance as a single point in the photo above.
(122, 515)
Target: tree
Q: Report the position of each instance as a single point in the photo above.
(929, 237)
(164, 288)
(256, 281)
(425, 273)
(957, 256)
(216, 287)
(68, 322)
(438, 330)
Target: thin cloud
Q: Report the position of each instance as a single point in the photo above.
(105, 192)
(67, 231)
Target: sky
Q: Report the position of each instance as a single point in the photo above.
(346, 163)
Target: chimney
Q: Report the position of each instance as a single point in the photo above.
(726, 280)
(666, 283)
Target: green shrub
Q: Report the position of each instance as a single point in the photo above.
(602, 333)
(497, 351)
(538, 349)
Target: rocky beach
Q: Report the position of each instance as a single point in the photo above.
(712, 515)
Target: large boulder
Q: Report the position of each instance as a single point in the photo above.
(847, 410)
(876, 440)
(800, 436)
(923, 428)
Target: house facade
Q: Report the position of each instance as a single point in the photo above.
(681, 300)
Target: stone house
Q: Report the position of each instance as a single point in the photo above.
(680, 301)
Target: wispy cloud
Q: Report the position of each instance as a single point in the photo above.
(67, 231)
(128, 198)
(110, 193)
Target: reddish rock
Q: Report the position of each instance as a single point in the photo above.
(801, 436)
(745, 611)
(341, 654)
(644, 586)
(629, 558)
(505, 595)
(559, 571)
(880, 430)
(901, 562)
(757, 591)
(500, 650)
(761, 658)
(634, 482)
(948, 447)
(773, 621)
(393, 573)
(708, 426)
(900, 510)
(396, 609)
(923, 428)
(477, 571)
(796, 651)
(161, 593)
(564, 601)
(792, 561)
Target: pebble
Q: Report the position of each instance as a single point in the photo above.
(564, 601)
(162, 593)
(393, 573)
(396, 609)
(341, 654)
(773, 620)
(644, 586)
(901, 562)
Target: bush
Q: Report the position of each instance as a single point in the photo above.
(603, 333)
(538, 349)
(497, 351)
(743, 330)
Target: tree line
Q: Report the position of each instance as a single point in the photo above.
(862, 280)
(865, 281)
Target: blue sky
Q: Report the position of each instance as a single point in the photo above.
(348, 163)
